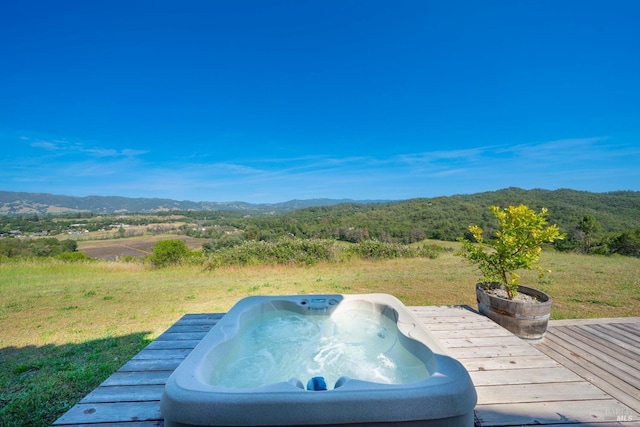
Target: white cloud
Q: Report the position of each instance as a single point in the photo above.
(47, 145)
(110, 152)
(101, 152)
(434, 156)
(552, 150)
(63, 147)
(128, 152)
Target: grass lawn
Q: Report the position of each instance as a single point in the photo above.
(64, 328)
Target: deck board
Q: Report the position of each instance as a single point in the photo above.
(135, 378)
(605, 353)
(124, 393)
(603, 343)
(567, 379)
(591, 373)
(87, 414)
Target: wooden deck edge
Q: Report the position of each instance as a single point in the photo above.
(427, 308)
(598, 321)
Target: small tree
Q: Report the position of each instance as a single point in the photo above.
(627, 243)
(586, 228)
(69, 245)
(169, 252)
(517, 245)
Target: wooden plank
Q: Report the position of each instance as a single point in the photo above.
(443, 311)
(481, 342)
(634, 328)
(546, 413)
(455, 326)
(170, 336)
(593, 373)
(169, 345)
(125, 393)
(631, 328)
(162, 354)
(613, 330)
(136, 365)
(602, 342)
(546, 392)
(517, 362)
(464, 333)
(592, 330)
(556, 374)
(600, 347)
(90, 413)
(508, 351)
(197, 316)
(460, 316)
(136, 378)
(597, 321)
(196, 324)
(465, 320)
(607, 366)
(188, 329)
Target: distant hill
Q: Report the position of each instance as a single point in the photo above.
(446, 218)
(438, 217)
(407, 221)
(15, 203)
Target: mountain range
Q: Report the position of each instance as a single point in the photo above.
(17, 203)
(616, 211)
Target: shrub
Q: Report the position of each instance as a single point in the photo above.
(69, 245)
(222, 241)
(41, 247)
(289, 251)
(627, 243)
(374, 249)
(130, 259)
(72, 257)
(431, 251)
(169, 252)
(284, 251)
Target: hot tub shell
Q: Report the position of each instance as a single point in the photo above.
(445, 398)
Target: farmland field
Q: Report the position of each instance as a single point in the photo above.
(133, 247)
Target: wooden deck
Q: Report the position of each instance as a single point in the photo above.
(605, 352)
(518, 384)
(582, 374)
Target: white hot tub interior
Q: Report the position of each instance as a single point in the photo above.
(283, 342)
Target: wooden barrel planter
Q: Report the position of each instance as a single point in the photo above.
(524, 319)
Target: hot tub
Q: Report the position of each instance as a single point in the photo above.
(319, 360)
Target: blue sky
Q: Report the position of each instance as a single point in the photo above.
(268, 101)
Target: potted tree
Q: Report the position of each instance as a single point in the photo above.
(517, 245)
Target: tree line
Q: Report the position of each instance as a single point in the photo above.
(600, 223)
(606, 223)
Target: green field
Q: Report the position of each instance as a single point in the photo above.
(65, 327)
